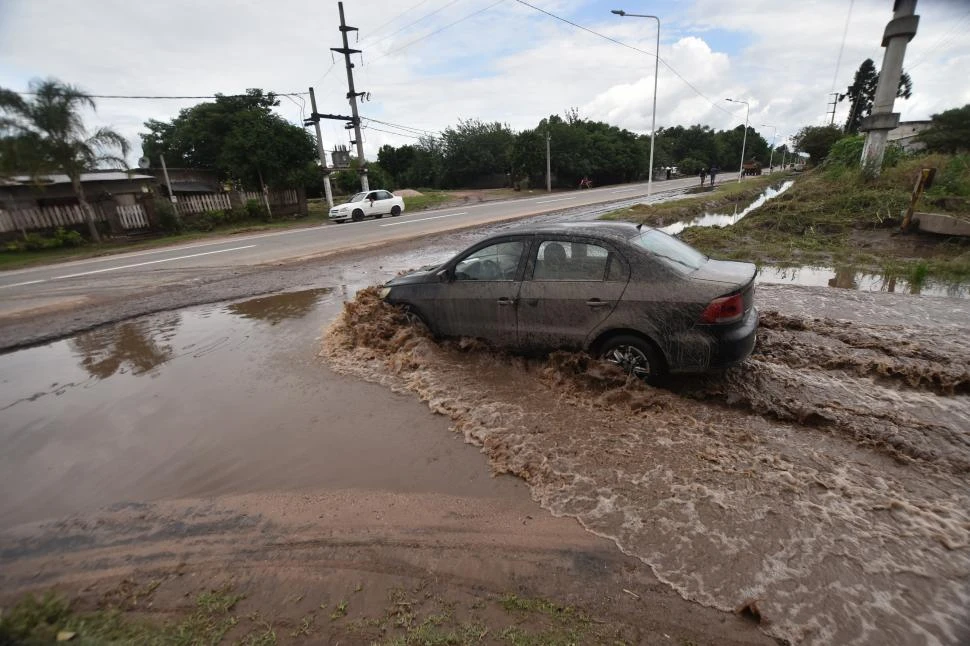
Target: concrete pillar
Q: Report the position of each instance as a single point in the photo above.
(899, 32)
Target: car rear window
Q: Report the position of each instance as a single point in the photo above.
(670, 250)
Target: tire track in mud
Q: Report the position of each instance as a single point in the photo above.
(770, 485)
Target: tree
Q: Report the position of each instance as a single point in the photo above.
(949, 131)
(239, 136)
(862, 93)
(473, 150)
(817, 141)
(47, 134)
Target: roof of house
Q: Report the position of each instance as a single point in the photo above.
(59, 178)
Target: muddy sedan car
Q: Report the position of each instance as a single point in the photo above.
(630, 294)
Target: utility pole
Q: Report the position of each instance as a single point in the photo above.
(168, 182)
(877, 125)
(352, 95)
(833, 103)
(548, 166)
(323, 156)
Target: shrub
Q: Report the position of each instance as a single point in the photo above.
(257, 210)
(68, 238)
(847, 151)
(168, 218)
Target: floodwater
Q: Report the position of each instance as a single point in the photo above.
(823, 486)
(213, 400)
(723, 220)
(851, 278)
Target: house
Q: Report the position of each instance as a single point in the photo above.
(904, 135)
(120, 187)
(186, 181)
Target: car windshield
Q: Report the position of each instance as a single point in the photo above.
(359, 197)
(670, 250)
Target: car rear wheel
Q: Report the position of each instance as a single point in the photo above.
(358, 215)
(635, 355)
(395, 211)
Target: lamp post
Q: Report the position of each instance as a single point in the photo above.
(656, 68)
(771, 157)
(744, 140)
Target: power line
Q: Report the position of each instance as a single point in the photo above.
(628, 46)
(424, 17)
(438, 31)
(399, 134)
(945, 38)
(409, 10)
(402, 127)
(838, 60)
(214, 96)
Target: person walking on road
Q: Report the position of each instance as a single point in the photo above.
(713, 174)
(703, 175)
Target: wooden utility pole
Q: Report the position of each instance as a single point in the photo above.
(548, 165)
(352, 95)
(323, 156)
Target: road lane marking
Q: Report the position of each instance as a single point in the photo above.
(561, 199)
(437, 217)
(26, 282)
(623, 190)
(149, 262)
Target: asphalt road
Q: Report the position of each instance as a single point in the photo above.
(59, 285)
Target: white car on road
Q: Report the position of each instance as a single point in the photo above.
(377, 203)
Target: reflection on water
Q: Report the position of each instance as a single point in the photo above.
(722, 220)
(134, 346)
(849, 278)
(279, 307)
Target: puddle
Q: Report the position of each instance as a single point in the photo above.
(847, 278)
(722, 220)
(208, 401)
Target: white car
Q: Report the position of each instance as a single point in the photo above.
(377, 203)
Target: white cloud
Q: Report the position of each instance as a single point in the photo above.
(508, 63)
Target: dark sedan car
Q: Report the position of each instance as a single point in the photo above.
(630, 294)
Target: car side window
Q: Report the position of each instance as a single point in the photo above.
(499, 261)
(561, 260)
(384, 195)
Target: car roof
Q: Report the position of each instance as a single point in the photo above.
(596, 229)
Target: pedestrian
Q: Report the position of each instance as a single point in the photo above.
(703, 175)
(714, 170)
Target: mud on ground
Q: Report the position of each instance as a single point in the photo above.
(822, 487)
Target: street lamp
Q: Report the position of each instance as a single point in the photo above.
(744, 140)
(771, 157)
(656, 68)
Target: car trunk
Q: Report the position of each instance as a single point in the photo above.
(729, 277)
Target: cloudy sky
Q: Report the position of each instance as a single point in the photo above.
(428, 63)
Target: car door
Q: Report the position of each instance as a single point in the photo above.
(479, 299)
(572, 285)
(383, 203)
(371, 204)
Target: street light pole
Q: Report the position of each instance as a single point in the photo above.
(656, 69)
(771, 157)
(744, 140)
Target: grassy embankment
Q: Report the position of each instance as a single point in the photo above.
(835, 217)
(221, 617)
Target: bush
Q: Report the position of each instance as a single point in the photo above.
(847, 151)
(256, 210)
(168, 218)
(36, 242)
(68, 238)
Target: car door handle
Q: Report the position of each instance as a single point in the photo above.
(506, 301)
(595, 302)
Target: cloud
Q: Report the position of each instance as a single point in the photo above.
(508, 63)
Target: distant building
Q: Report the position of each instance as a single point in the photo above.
(187, 181)
(117, 186)
(904, 135)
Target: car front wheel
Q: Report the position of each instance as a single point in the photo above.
(636, 356)
(357, 215)
(395, 211)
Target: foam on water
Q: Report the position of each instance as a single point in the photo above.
(832, 501)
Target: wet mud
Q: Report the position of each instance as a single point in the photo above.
(821, 489)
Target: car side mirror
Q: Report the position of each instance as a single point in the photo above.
(444, 276)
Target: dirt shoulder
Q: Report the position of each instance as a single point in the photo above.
(347, 567)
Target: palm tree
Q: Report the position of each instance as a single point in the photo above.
(47, 134)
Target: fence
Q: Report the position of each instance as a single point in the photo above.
(188, 204)
(133, 217)
(276, 198)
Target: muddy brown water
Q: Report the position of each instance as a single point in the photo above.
(208, 401)
(826, 482)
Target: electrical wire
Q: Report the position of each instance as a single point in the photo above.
(410, 9)
(845, 32)
(424, 17)
(942, 40)
(628, 46)
(400, 134)
(438, 31)
(420, 131)
(214, 96)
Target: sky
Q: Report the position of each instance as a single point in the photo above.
(428, 63)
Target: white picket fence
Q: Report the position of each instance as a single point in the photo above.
(188, 204)
(287, 196)
(133, 217)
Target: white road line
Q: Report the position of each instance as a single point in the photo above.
(561, 199)
(437, 217)
(623, 190)
(149, 262)
(27, 282)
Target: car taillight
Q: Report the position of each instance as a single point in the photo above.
(726, 309)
